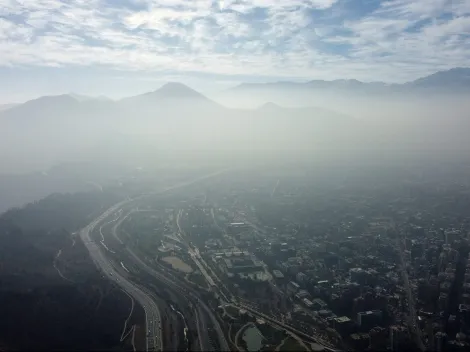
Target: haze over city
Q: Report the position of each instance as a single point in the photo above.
(235, 175)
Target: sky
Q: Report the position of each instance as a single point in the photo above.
(125, 47)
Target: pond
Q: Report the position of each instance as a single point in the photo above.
(253, 339)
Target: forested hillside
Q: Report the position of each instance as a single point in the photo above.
(52, 296)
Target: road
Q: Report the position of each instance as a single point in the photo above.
(193, 251)
(182, 289)
(278, 324)
(275, 188)
(413, 326)
(191, 295)
(413, 323)
(194, 255)
(152, 314)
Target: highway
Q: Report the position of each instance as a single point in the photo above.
(413, 326)
(413, 317)
(191, 295)
(152, 314)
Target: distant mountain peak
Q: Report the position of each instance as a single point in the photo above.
(43, 105)
(177, 90)
(174, 85)
(53, 99)
(454, 76)
(270, 106)
(457, 70)
(171, 94)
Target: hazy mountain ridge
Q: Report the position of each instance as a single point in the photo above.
(453, 79)
(169, 91)
(175, 116)
(49, 130)
(173, 100)
(82, 97)
(172, 92)
(4, 107)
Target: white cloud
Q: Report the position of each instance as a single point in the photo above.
(153, 18)
(289, 38)
(420, 8)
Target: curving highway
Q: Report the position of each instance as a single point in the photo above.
(152, 314)
(187, 292)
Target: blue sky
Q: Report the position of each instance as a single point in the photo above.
(123, 47)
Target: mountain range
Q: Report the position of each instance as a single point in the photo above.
(453, 80)
(175, 117)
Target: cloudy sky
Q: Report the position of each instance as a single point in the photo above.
(121, 47)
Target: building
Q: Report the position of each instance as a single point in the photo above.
(464, 313)
(343, 325)
(451, 235)
(301, 277)
(278, 275)
(460, 346)
(398, 337)
(369, 319)
(358, 275)
(241, 262)
(319, 304)
(360, 341)
(301, 294)
(443, 299)
(324, 313)
(440, 341)
(293, 288)
(236, 227)
(323, 283)
(453, 325)
(378, 339)
(308, 303)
